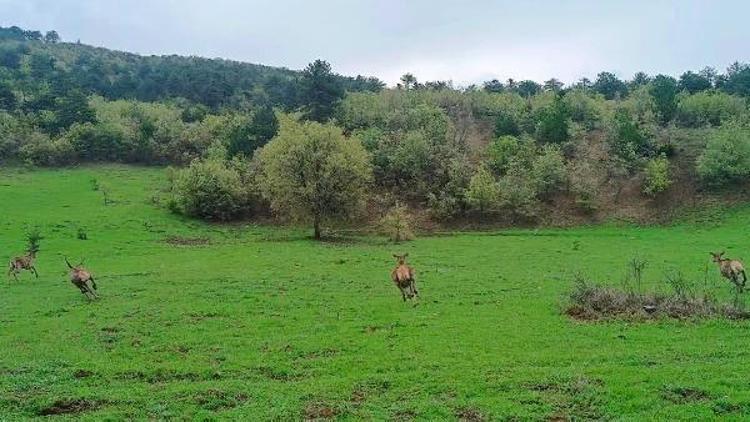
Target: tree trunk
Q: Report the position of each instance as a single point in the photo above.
(316, 225)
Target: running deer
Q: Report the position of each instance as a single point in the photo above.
(20, 263)
(80, 278)
(730, 269)
(403, 276)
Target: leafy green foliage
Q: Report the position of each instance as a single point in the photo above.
(709, 108)
(726, 158)
(214, 189)
(483, 194)
(548, 170)
(312, 172)
(664, 90)
(552, 125)
(627, 140)
(657, 178)
(694, 82)
(397, 223)
(320, 91)
(610, 86)
(247, 138)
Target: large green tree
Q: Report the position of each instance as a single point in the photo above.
(610, 85)
(664, 91)
(320, 91)
(312, 172)
(262, 127)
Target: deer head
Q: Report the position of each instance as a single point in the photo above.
(401, 259)
(717, 257)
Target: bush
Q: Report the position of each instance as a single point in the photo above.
(212, 189)
(548, 170)
(518, 193)
(584, 107)
(397, 223)
(506, 124)
(41, 151)
(584, 184)
(627, 140)
(552, 123)
(506, 150)
(483, 194)
(709, 108)
(726, 158)
(657, 176)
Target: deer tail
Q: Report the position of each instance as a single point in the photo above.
(68, 262)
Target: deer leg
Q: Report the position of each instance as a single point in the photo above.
(93, 283)
(93, 293)
(403, 295)
(414, 288)
(33, 269)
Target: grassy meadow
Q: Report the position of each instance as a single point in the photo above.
(201, 321)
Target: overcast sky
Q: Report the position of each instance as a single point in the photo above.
(464, 41)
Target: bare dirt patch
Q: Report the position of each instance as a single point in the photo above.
(681, 395)
(319, 411)
(216, 400)
(469, 414)
(70, 406)
(187, 241)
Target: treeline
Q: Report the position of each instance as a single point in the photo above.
(510, 151)
(37, 68)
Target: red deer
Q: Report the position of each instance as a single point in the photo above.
(730, 269)
(25, 262)
(403, 276)
(80, 278)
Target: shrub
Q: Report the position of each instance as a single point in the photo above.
(448, 196)
(483, 194)
(709, 108)
(548, 170)
(212, 189)
(726, 157)
(506, 124)
(584, 107)
(657, 176)
(584, 184)
(518, 192)
(505, 150)
(552, 123)
(627, 140)
(397, 223)
(41, 151)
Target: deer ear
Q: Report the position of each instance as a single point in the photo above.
(395, 256)
(405, 255)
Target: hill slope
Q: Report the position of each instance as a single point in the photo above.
(28, 59)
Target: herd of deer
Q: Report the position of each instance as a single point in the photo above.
(79, 276)
(402, 275)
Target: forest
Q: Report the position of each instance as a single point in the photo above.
(245, 140)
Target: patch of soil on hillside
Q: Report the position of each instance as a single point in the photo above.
(187, 241)
(469, 414)
(319, 411)
(70, 406)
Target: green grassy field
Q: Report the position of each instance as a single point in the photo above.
(262, 322)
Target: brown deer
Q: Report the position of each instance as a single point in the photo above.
(20, 263)
(80, 278)
(730, 269)
(403, 276)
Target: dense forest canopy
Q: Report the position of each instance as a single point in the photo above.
(505, 149)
